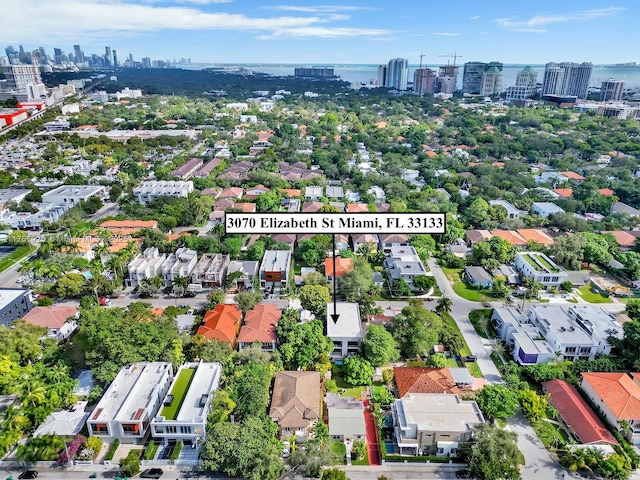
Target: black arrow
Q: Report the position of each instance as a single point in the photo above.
(335, 315)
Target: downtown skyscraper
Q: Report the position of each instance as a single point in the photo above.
(566, 79)
(397, 74)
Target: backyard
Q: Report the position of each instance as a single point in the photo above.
(179, 391)
(591, 296)
(463, 289)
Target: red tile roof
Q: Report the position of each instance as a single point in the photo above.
(357, 208)
(576, 413)
(343, 265)
(624, 239)
(128, 224)
(514, 238)
(260, 324)
(221, 323)
(607, 192)
(572, 175)
(245, 207)
(563, 192)
(424, 380)
(536, 235)
(618, 391)
(50, 317)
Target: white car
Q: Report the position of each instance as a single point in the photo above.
(286, 449)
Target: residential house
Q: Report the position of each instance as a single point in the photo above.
(540, 267)
(59, 320)
(72, 195)
(546, 209)
(127, 227)
(510, 236)
(188, 168)
(255, 192)
(620, 207)
(578, 419)
(573, 176)
(528, 347)
(598, 324)
(342, 242)
(433, 424)
(146, 265)
(342, 266)
(509, 274)
(456, 381)
(288, 238)
(131, 402)
(222, 324)
(473, 237)
(346, 333)
(187, 405)
(275, 267)
(151, 189)
(211, 270)
(387, 241)
(563, 193)
(311, 207)
(536, 235)
(512, 212)
(335, 192)
(361, 239)
(478, 277)
(617, 396)
(14, 304)
(208, 167)
(248, 269)
(346, 418)
(626, 240)
(404, 263)
(231, 192)
(179, 264)
(260, 326)
(313, 193)
(296, 403)
(245, 207)
(357, 208)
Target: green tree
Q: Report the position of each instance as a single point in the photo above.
(335, 473)
(424, 283)
(248, 299)
(437, 360)
(566, 287)
(379, 346)
(130, 465)
(310, 460)
(497, 401)
(70, 285)
(444, 305)
(400, 288)
(494, 454)
(533, 406)
(416, 330)
(357, 370)
(315, 298)
(310, 253)
(301, 345)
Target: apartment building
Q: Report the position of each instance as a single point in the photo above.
(403, 262)
(211, 270)
(179, 264)
(275, 267)
(151, 189)
(148, 264)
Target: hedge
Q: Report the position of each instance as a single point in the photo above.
(176, 451)
(112, 450)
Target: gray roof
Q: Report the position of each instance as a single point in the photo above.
(348, 325)
(620, 207)
(478, 274)
(461, 376)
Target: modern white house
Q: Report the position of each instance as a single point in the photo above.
(179, 264)
(512, 212)
(148, 264)
(540, 267)
(312, 193)
(598, 323)
(131, 402)
(527, 346)
(403, 262)
(72, 195)
(346, 333)
(14, 304)
(433, 423)
(183, 417)
(248, 269)
(274, 269)
(211, 270)
(546, 209)
(151, 189)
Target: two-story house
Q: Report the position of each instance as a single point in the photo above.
(211, 270)
(296, 403)
(179, 264)
(346, 333)
(541, 268)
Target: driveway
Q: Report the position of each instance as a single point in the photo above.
(373, 447)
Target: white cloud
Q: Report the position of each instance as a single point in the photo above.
(475, 17)
(536, 24)
(51, 20)
(446, 34)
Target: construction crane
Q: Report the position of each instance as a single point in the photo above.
(422, 55)
(454, 55)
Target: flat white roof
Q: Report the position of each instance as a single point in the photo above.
(435, 412)
(8, 295)
(132, 389)
(205, 381)
(73, 190)
(348, 324)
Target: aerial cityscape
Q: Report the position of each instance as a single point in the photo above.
(358, 241)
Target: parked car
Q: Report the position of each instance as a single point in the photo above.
(29, 474)
(469, 358)
(152, 473)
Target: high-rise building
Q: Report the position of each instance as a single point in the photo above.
(447, 79)
(115, 59)
(322, 72)
(108, 59)
(382, 75)
(12, 54)
(424, 81)
(481, 78)
(146, 62)
(566, 79)
(611, 90)
(398, 73)
(20, 76)
(57, 56)
(526, 85)
(79, 56)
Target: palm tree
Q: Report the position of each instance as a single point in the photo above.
(32, 394)
(444, 306)
(13, 419)
(100, 250)
(625, 428)
(483, 324)
(499, 349)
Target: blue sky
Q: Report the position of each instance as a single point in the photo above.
(343, 31)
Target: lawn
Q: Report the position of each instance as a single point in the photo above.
(15, 256)
(592, 297)
(179, 391)
(473, 367)
(340, 451)
(347, 390)
(462, 289)
(550, 435)
(473, 318)
(363, 461)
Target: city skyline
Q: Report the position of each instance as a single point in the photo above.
(358, 32)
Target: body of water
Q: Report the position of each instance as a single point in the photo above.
(369, 73)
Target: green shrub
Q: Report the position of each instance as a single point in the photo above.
(150, 451)
(112, 450)
(331, 385)
(95, 444)
(176, 452)
(130, 464)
